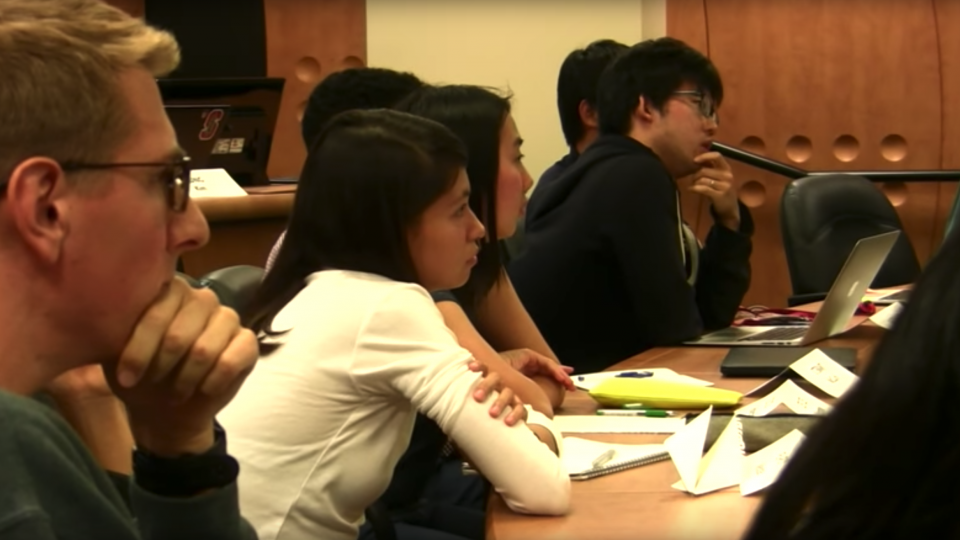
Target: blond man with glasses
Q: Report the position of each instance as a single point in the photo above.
(94, 212)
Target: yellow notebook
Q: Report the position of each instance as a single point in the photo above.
(619, 391)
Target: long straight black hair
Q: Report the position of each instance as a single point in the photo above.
(369, 176)
(885, 462)
(476, 115)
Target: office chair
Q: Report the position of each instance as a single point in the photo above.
(822, 218)
(234, 285)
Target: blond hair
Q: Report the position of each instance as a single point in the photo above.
(60, 61)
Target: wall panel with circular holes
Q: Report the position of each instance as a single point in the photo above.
(306, 41)
(831, 86)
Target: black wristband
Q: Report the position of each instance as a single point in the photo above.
(188, 475)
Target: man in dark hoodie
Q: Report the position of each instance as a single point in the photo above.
(608, 270)
(577, 102)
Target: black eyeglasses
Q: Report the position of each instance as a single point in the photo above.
(704, 105)
(175, 174)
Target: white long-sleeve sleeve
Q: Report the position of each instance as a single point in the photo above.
(405, 349)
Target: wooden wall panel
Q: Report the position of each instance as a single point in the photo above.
(306, 41)
(688, 18)
(948, 20)
(838, 95)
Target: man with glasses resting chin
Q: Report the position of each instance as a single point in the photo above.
(94, 211)
(608, 270)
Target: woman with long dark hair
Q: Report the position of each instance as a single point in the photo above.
(429, 497)
(884, 463)
(486, 313)
(354, 345)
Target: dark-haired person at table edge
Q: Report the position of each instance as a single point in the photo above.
(608, 270)
(577, 103)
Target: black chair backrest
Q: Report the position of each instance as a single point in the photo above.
(823, 217)
(234, 285)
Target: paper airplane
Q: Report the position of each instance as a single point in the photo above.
(720, 468)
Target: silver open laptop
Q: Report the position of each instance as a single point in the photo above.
(838, 307)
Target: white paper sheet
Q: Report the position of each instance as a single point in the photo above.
(616, 424)
(214, 183)
(887, 317)
(588, 381)
(761, 468)
(825, 373)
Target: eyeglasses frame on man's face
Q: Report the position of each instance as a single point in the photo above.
(703, 104)
(176, 176)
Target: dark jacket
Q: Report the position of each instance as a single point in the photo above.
(51, 489)
(603, 272)
(549, 177)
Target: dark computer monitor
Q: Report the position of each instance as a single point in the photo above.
(245, 135)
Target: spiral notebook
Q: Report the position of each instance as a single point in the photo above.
(579, 456)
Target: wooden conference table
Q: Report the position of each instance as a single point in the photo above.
(639, 504)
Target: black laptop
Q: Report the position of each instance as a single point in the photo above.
(245, 136)
(198, 128)
(768, 362)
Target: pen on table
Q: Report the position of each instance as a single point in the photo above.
(604, 458)
(635, 374)
(650, 413)
(625, 374)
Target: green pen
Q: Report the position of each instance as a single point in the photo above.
(649, 413)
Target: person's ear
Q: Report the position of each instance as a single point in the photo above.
(38, 207)
(645, 111)
(588, 115)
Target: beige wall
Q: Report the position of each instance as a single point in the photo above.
(510, 44)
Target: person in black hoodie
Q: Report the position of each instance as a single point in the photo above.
(577, 102)
(609, 270)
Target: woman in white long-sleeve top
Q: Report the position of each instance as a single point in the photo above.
(355, 346)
